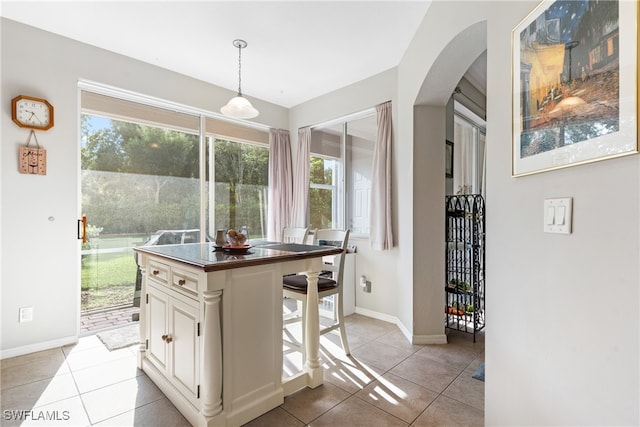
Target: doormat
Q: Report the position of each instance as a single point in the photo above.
(121, 337)
(479, 374)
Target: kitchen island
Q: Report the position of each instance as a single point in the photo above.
(211, 327)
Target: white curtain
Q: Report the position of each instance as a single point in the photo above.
(280, 187)
(301, 179)
(463, 167)
(381, 235)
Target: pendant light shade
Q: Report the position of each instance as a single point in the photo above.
(239, 107)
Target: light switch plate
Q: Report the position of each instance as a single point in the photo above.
(558, 215)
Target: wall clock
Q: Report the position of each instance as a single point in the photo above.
(32, 113)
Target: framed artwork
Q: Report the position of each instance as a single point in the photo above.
(448, 156)
(575, 94)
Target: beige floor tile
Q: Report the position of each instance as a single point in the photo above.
(83, 343)
(308, 404)
(158, 413)
(35, 370)
(106, 374)
(356, 412)
(446, 412)
(458, 357)
(276, 417)
(467, 389)
(367, 327)
(349, 374)
(432, 375)
(396, 338)
(397, 396)
(96, 356)
(67, 412)
(121, 397)
(38, 393)
(381, 355)
(53, 355)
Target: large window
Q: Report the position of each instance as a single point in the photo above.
(340, 173)
(147, 178)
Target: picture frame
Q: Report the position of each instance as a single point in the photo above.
(574, 84)
(448, 156)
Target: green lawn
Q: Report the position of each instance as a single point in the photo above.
(108, 279)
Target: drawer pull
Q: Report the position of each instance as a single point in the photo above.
(155, 272)
(181, 282)
(164, 338)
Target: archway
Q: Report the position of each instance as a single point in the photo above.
(429, 177)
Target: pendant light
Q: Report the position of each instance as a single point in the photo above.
(239, 107)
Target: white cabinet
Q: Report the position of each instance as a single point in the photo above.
(173, 337)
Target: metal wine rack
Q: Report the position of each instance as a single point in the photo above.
(465, 263)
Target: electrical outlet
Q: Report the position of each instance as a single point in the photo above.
(25, 314)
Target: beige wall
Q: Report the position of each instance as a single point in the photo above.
(40, 252)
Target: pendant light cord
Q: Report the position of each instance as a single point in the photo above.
(239, 70)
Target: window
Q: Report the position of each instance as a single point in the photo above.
(340, 173)
(147, 172)
(469, 152)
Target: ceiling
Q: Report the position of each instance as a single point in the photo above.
(297, 50)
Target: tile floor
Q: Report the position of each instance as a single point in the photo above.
(385, 381)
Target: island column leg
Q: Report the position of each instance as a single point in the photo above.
(212, 355)
(312, 332)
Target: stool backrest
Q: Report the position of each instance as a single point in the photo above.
(338, 238)
(294, 235)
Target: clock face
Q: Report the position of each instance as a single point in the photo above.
(32, 113)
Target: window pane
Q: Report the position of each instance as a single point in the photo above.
(136, 180)
(241, 185)
(321, 211)
(322, 171)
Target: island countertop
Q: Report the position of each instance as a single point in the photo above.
(206, 257)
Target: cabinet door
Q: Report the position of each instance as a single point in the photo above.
(185, 346)
(157, 326)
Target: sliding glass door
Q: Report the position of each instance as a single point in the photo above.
(146, 180)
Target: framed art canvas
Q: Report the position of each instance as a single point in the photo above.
(448, 160)
(575, 94)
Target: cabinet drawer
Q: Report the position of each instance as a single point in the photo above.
(184, 281)
(158, 271)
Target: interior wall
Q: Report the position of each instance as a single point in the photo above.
(40, 251)
(559, 350)
(561, 346)
(375, 265)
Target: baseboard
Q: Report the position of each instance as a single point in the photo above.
(377, 315)
(430, 339)
(32, 348)
(413, 339)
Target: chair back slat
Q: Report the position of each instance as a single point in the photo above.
(294, 235)
(333, 237)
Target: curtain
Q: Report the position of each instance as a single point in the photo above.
(301, 180)
(463, 167)
(381, 236)
(280, 187)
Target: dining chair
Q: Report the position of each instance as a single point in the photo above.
(295, 287)
(294, 234)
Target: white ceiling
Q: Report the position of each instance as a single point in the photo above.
(297, 50)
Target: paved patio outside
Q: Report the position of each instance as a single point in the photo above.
(95, 321)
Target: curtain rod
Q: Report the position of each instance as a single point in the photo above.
(458, 91)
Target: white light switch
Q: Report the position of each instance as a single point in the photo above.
(557, 215)
(551, 215)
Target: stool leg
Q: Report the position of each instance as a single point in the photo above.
(343, 331)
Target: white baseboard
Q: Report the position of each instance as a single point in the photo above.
(32, 348)
(413, 339)
(377, 315)
(430, 339)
